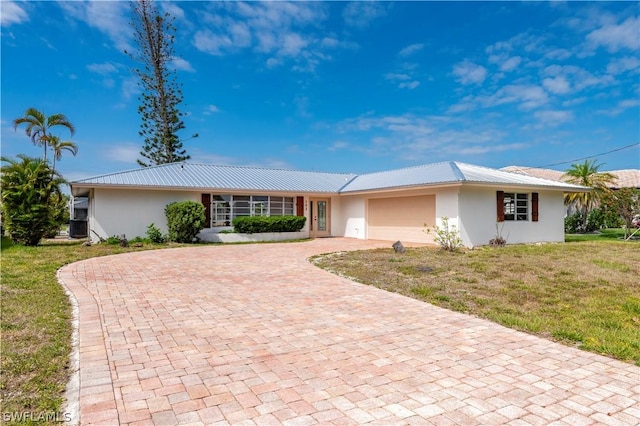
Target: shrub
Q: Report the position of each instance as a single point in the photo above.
(184, 219)
(112, 240)
(575, 223)
(499, 240)
(29, 191)
(447, 236)
(154, 234)
(256, 224)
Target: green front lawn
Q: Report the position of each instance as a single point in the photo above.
(35, 324)
(584, 294)
(612, 234)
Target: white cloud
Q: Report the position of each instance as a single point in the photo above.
(104, 69)
(578, 78)
(403, 80)
(415, 138)
(360, 14)
(621, 107)
(527, 96)
(123, 153)
(172, 9)
(213, 44)
(486, 149)
(338, 145)
(411, 49)
(510, 64)
(409, 85)
(130, 88)
(285, 32)
(553, 118)
(624, 64)
(615, 37)
(506, 63)
(182, 65)
(574, 101)
(559, 54)
(397, 76)
(12, 13)
(211, 109)
(557, 85)
(469, 73)
(111, 18)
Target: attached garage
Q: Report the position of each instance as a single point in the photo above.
(401, 218)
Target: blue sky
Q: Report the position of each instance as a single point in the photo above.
(337, 86)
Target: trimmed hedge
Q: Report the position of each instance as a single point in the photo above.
(257, 224)
(184, 219)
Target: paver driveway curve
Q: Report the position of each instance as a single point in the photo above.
(255, 334)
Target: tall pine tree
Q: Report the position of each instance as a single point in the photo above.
(161, 94)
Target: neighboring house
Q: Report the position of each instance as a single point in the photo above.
(628, 178)
(390, 205)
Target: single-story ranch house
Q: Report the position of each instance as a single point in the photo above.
(390, 205)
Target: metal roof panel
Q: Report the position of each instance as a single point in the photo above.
(238, 178)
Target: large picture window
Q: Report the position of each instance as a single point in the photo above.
(226, 207)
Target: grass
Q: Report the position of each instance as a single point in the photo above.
(35, 325)
(612, 234)
(584, 294)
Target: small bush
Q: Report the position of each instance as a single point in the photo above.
(447, 236)
(499, 240)
(575, 223)
(113, 240)
(257, 224)
(184, 219)
(154, 234)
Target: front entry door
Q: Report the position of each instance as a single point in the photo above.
(320, 209)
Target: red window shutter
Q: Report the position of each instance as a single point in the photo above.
(500, 205)
(534, 206)
(206, 202)
(299, 206)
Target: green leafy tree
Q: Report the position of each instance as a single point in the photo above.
(161, 119)
(58, 146)
(588, 174)
(29, 192)
(625, 203)
(38, 127)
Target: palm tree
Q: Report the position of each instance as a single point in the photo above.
(39, 125)
(587, 174)
(57, 146)
(28, 188)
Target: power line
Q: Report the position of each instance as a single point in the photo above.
(585, 158)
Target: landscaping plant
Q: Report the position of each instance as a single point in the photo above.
(184, 219)
(447, 236)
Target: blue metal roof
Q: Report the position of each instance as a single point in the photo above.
(237, 178)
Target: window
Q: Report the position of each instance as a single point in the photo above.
(224, 208)
(513, 206)
(221, 210)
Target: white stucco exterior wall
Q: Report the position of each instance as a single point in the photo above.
(129, 212)
(349, 220)
(478, 217)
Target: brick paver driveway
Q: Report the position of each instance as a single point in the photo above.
(255, 334)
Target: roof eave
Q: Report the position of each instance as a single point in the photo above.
(402, 188)
(88, 186)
